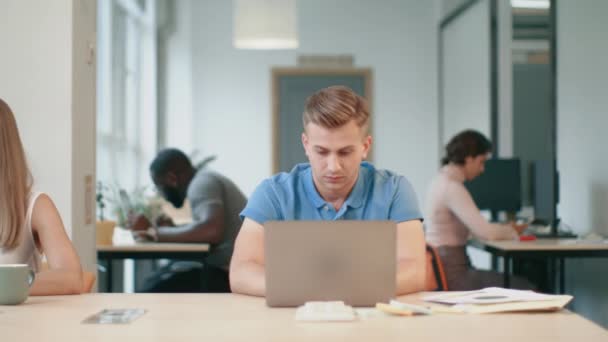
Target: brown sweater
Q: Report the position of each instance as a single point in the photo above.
(451, 215)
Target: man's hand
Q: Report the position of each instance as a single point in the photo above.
(138, 222)
(519, 228)
(164, 221)
(147, 235)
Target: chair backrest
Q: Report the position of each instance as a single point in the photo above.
(88, 279)
(435, 275)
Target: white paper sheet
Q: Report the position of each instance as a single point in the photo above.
(490, 295)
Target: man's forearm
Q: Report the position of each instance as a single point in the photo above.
(411, 276)
(193, 232)
(248, 278)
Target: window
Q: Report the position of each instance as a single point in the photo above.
(127, 126)
(126, 89)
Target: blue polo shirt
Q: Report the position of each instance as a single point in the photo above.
(377, 195)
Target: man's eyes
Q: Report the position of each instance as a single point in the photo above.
(340, 153)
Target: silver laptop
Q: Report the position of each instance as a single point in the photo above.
(350, 261)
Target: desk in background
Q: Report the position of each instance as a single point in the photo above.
(183, 251)
(553, 249)
(230, 317)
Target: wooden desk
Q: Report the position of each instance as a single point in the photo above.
(554, 249)
(149, 250)
(229, 317)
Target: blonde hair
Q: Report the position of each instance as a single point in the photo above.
(15, 180)
(335, 106)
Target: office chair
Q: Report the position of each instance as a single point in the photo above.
(435, 275)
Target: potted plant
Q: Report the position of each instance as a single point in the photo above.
(104, 229)
(137, 202)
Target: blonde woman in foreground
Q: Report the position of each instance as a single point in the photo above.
(30, 225)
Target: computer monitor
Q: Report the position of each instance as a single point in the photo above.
(545, 191)
(498, 188)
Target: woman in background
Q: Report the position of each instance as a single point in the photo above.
(452, 215)
(30, 225)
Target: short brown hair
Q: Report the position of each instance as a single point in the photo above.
(335, 106)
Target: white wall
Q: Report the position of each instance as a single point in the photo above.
(446, 7)
(36, 69)
(397, 39)
(175, 66)
(46, 81)
(582, 118)
(466, 50)
(466, 56)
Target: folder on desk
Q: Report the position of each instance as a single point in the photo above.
(494, 299)
(542, 306)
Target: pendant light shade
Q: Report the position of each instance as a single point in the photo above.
(265, 24)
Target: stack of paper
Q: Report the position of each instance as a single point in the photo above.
(496, 299)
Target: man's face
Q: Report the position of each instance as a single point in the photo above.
(169, 189)
(335, 156)
(474, 166)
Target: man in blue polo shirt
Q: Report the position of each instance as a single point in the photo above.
(335, 185)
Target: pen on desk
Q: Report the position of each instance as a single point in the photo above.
(411, 307)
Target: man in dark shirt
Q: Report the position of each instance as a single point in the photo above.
(216, 203)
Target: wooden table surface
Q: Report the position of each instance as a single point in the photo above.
(230, 317)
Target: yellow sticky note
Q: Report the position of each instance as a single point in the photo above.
(393, 310)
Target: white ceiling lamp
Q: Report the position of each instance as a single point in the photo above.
(532, 4)
(265, 24)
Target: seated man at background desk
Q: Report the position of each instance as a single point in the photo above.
(336, 184)
(216, 202)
